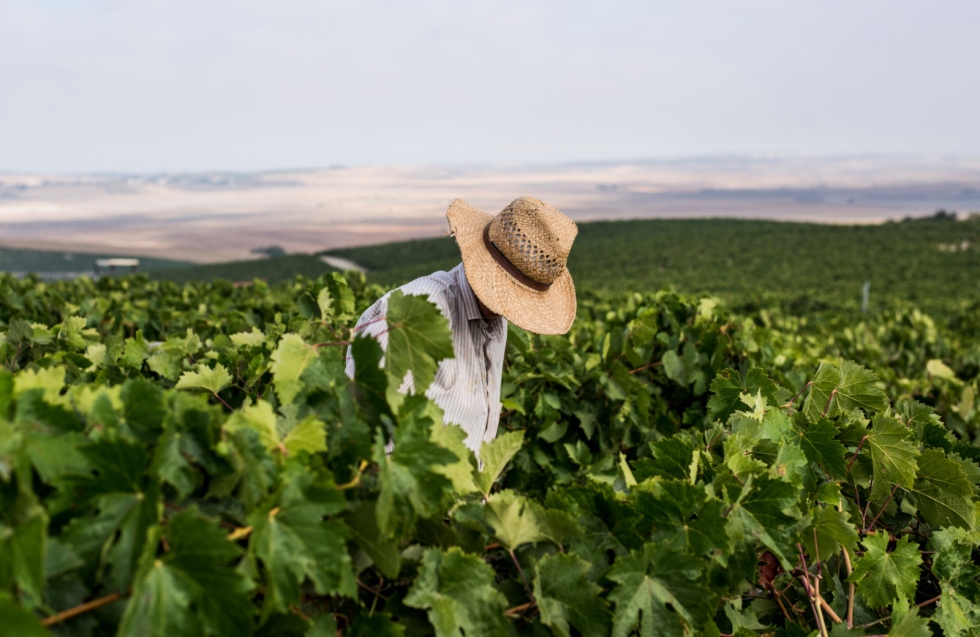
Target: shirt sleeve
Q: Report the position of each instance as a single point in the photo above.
(372, 323)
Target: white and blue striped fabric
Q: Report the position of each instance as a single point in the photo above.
(466, 387)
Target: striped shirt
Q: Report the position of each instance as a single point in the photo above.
(467, 387)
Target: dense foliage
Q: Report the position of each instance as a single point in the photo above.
(192, 460)
(933, 263)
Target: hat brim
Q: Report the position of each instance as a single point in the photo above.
(548, 312)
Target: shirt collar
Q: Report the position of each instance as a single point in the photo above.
(471, 310)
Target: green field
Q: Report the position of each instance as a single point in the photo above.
(189, 460)
(272, 270)
(744, 261)
(40, 261)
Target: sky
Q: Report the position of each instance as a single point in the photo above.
(138, 86)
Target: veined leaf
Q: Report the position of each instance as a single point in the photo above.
(943, 492)
(206, 378)
(294, 543)
(567, 598)
(833, 530)
(820, 445)
(291, 357)
(514, 522)
(457, 591)
(882, 576)
(194, 583)
(495, 455)
(838, 389)
(728, 388)
(760, 510)
(892, 456)
(661, 591)
(418, 338)
(411, 485)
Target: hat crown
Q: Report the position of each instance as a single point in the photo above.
(535, 237)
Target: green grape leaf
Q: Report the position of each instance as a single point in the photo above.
(728, 388)
(906, 621)
(308, 435)
(170, 464)
(684, 516)
(456, 589)
(134, 352)
(143, 409)
(567, 598)
(495, 455)
(514, 522)
(833, 530)
(943, 492)
(411, 486)
(370, 382)
(23, 547)
(451, 437)
(252, 468)
(661, 591)
(672, 458)
(74, 334)
(882, 576)
(418, 339)
(289, 360)
(957, 614)
(127, 506)
(260, 418)
(835, 390)
(760, 511)
(248, 339)
(376, 625)
(820, 445)
(50, 380)
(892, 456)
(294, 543)
(193, 583)
(384, 553)
(19, 622)
(212, 380)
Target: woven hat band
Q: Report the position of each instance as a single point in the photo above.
(509, 267)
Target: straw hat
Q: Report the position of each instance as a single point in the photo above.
(515, 261)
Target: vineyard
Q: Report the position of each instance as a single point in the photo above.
(192, 460)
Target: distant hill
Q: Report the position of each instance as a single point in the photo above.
(931, 261)
(272, 270)
(59, 262)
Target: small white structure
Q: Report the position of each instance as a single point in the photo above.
(112, 264)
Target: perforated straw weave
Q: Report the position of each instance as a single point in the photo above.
(515, 261)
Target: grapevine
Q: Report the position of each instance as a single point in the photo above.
(193, 460)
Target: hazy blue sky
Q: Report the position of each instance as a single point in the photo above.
(130, 85)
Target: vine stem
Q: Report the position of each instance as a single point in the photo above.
(816, 583)
(798, 394)
(640, 369)
(230, 408)
(850, 586)
(517, 610)
(920, 605)
(527, 587)
(829, 401)
(80, 609)
(356, 480)
(811, 597)
(882, 510)
(856, 452)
